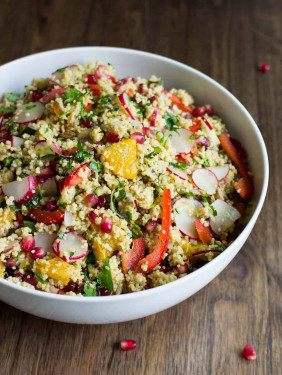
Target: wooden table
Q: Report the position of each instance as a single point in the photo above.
(205, 334)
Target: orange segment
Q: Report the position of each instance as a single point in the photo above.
(56, 269)
(122, 157)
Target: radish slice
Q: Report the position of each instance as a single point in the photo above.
(220, 171)
(177, 172)
(68, 219)
(10, 246)
(226, 216)
(207, 123)
(44, 240)
(72, 248)
(43, 148)
(205, 180)
(180, 141)
(16, 141)
(22, 191)
(57, 75)
(185, 211)
(29, 112)
(52, 94)
(49, 188)
(123, 98)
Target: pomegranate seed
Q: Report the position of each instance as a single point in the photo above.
(106, 224)
(35, 95)
(104, 291)
(180, 269)
(37, 253)
(40, 180)
(112, 137)
(153, 98)
(165, 268)
(91, 200)
(116, 253)
(128, 344)
(199, 111)
(92, 217)
(153, 118)
(101, 202)
(139, 137)
(27, 243)
(63, 292)
(18, 274)
(249, 352)
(87, 124)
(91, 79)
(51, 206)
(47, 172)
(209, 109)
(141, 89)
(11, 262)
(30, 279)
(146, 131)
(151, 226)
(71, 287)
(74, 150)
(263, 67)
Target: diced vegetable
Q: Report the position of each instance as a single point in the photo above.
(29, 112)
(185, 214)
(205, 180)
(177, 101)
(131, 257)
(225, 217)
(46, 217)
(22, 191)
(204, 233)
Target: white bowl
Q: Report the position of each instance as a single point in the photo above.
(99, 310)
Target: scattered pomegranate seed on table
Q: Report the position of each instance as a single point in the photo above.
(263, 67)
(249, 352)
(128, 344)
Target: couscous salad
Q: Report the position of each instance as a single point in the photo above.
(113, 186)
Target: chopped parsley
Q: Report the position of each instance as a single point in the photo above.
(86, 277)
(122, 194)
(40, 190)
(29, 130)
(156, 151)
(89, 291)
(7, 163)
(61, 234)
(30, 225)
(180, 165)
(104, 278)
(192, 137)
(61, 70)
(96, 166)
(90, 259)
(205, 163)
(38, 277)
(73, 95)
(30, 106)
(129, 216)
(12, 97)
(136, 231)
(159, 81)
(142, 110)
(65, 113)
(105, 100)
(171, 121)
(6, 110)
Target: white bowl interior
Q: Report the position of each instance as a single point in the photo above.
(15, 75)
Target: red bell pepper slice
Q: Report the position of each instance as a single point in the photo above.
(205, 234)
(244, 186)
(88, 107)
(46, 217)
(195, 125)
(95, 90)
(130, 258)
(75, 178)
(177, 101)
(152, 260)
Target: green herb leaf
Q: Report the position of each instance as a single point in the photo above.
(65, 114)
(73, 95)
(214, 212)
(205, 163)
(3, 204)
(60, 70)
(192, 137)
(105, 100)
(86, 277)
(5, 110)
(96, 166)
(29, 130)
(104, 278)
(7, 163)
(34, 202)
(180, 165)
(61, 235)
(156, 151)
(122, 194)
(38, 277)
(30, 106)
(90, 259)
(136, 231)
(30, 225)
(129, 216)
(40, 190)
(12, 97)
(89, 291)
(171, 121)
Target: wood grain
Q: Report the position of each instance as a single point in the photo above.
(205, 334)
